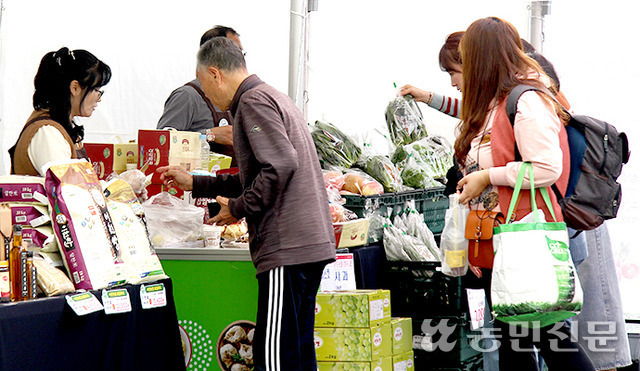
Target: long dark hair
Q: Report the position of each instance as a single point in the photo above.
(56, 72)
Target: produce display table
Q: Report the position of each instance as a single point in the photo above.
(212, 289)
(46, 334)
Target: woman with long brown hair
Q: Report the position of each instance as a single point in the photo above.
(493, 63)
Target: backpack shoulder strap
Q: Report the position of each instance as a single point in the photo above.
(512, 100)
(512, 109)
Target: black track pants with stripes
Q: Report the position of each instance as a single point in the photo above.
(283, 339)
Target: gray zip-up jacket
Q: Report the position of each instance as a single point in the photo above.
(279, 189)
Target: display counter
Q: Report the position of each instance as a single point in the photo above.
(46, 334)
(212, 289)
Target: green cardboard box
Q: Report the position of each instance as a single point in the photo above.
(383, 364)
(404, 361)
(352, 344)
(355, 308)
(402, 335)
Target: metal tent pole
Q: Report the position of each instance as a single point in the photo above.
(537, 11)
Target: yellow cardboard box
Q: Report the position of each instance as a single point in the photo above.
(382, 364)
(402, 335)
(218, 161)
(354, 308)
(352, 344)
(351, 233)
(404, 361)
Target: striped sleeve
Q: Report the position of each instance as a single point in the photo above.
(446, 105)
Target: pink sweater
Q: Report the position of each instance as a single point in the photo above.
(541, 141)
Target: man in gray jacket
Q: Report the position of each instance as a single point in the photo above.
(280, 191)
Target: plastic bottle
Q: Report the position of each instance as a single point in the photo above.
(204, 152)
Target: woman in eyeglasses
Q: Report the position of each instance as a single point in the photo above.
(67, 85)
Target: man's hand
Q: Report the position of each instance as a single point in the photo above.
(224, 217)
(223, 135)
(176, 176)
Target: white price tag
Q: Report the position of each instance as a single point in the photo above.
(476, 300)
(116, 301)
(339, 275)
(84, 303)
(153, 296)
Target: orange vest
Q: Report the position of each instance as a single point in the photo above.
(503, 151)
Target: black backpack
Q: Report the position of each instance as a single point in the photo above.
(598, 152)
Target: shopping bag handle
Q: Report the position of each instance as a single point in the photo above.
(516, 192)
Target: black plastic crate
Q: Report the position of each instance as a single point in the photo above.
(446, 341)
(473, 364)
(431, 202)
(420, 289)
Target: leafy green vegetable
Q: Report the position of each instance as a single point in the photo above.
(432, 157)
(384, 171)
(404, 121)
(333, 146)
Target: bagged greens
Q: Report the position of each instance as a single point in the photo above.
(433, 154)
(333, 146)
(404, 120)
(384, 171)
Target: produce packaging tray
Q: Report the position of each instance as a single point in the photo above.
(431, 202)
(420, 289)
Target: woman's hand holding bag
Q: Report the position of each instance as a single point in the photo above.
(534, 282)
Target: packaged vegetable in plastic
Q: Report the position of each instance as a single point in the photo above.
(433, 154)
(333, 179)
(172, 220)
(333, 146)
(453, 245)
(359, 182)
(392, 241)
(404, 120)
(384, 171)
(341, 214)
(418, 174)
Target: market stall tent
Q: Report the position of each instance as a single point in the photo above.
(356, 51)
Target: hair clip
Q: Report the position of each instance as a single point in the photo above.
(59, 61)
(72, 56)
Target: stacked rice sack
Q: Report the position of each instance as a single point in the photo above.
(26, 197)
(98, 238)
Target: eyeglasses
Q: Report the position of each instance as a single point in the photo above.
(100, 92)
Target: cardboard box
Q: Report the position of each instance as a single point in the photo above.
(402, 335)
(382, 364)
(404, 361)
(158, 148)
(351, 233)
(109, 157)
(353, 344)
(356, 308)
(218, 161)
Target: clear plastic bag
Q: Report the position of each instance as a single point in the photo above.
(172, 220)
(454, 247)
(404, 120)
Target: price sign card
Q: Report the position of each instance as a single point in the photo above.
(476, 300)
(116, 301)
(339, 275)
(153, 296)
(84, 303)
